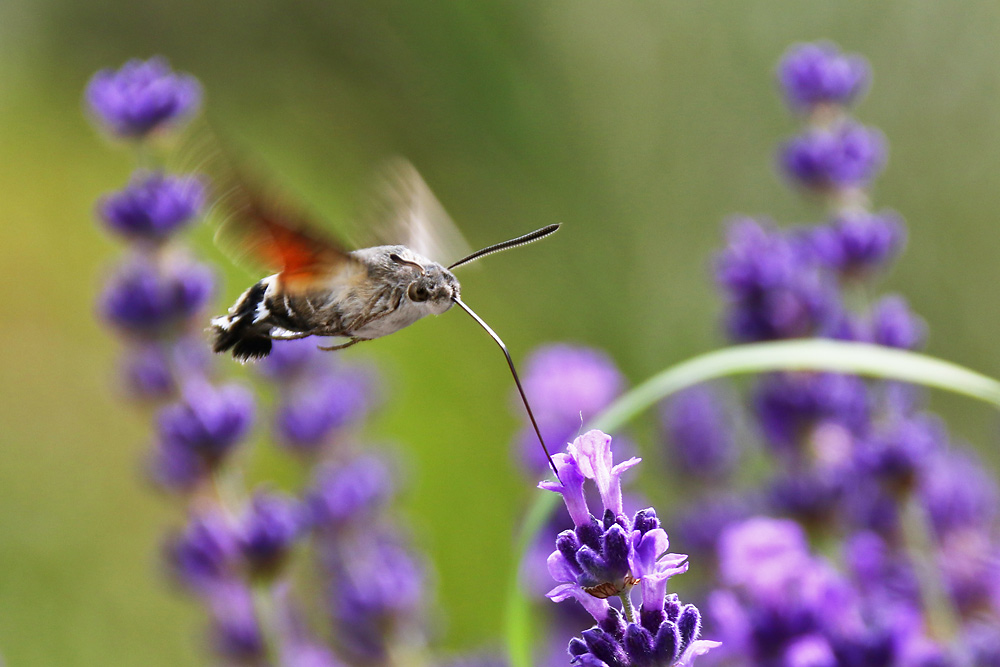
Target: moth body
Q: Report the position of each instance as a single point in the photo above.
(384, 289)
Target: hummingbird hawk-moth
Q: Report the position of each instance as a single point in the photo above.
(319, 288)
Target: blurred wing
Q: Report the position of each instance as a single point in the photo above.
(402, 209)
(261, 230)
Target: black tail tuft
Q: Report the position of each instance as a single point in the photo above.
(238, 332)
(252, 347)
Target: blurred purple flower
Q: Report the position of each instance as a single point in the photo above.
(204, 555)
(813, 497)
(303, 654)
(317, 406)
(376, 591)
(772, 284)
(698, 526)
(485, 660)
(789, 406)
(148, 373)
(352, 492)
(235, 632)
(880, 571)
(154, 370)
(900, 450)
(141, 97)
(893, 324)
(290, 359)
(783, 606)
(153, 205)
(567, 385)
(699, 432)
(142, 299)
(208, 421)
(958, 492)
(760, 554)
(268, 531)
(849, 156)
(818, 73)
(858, 242)
(175, 468)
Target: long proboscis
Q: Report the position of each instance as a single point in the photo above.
(517, 380)
(506, 245)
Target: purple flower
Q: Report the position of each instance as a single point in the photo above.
(813, 497)
(290, 359)
(174, 467)
(153, 206)
(208, 421)
(204, 554)
(236, 633)
(145, 300)
(758, 257)
(958, 492)
(761, 555)
(302, 654)
(673, 641)
(858, 242)
(567, 385)
(772, 284)
(317, 406)
(268, 531)
(883, 573)
(376, 591)
(141, 97)
(815, 74)
(893, 324)
(589, 457)
(697, 527)
(791, 406)
(699, 431)
(601, 559)
(900, 451)
(485, 660)
(349, 493)
(148, 373)
(781, 605)
(849, 156)
(154, 370)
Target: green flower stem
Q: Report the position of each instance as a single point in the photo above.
(794, 355)
(801, 355)
(942, 619)
(627, 608)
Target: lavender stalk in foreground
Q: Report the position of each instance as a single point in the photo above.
(606, 558)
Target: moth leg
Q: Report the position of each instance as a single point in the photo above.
(330, 348)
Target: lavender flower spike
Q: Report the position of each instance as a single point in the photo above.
(141, 97)
(600, 559)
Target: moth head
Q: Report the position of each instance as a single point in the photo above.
(432, 287)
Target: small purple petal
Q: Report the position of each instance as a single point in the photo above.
(571, 487)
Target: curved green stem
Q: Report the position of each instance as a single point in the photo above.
(795, 355)
(801, 355)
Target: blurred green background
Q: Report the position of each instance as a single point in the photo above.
(639, 125)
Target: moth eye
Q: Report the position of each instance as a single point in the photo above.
(418, 293)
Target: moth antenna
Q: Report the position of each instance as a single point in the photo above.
(510, 362)
(506, 245)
